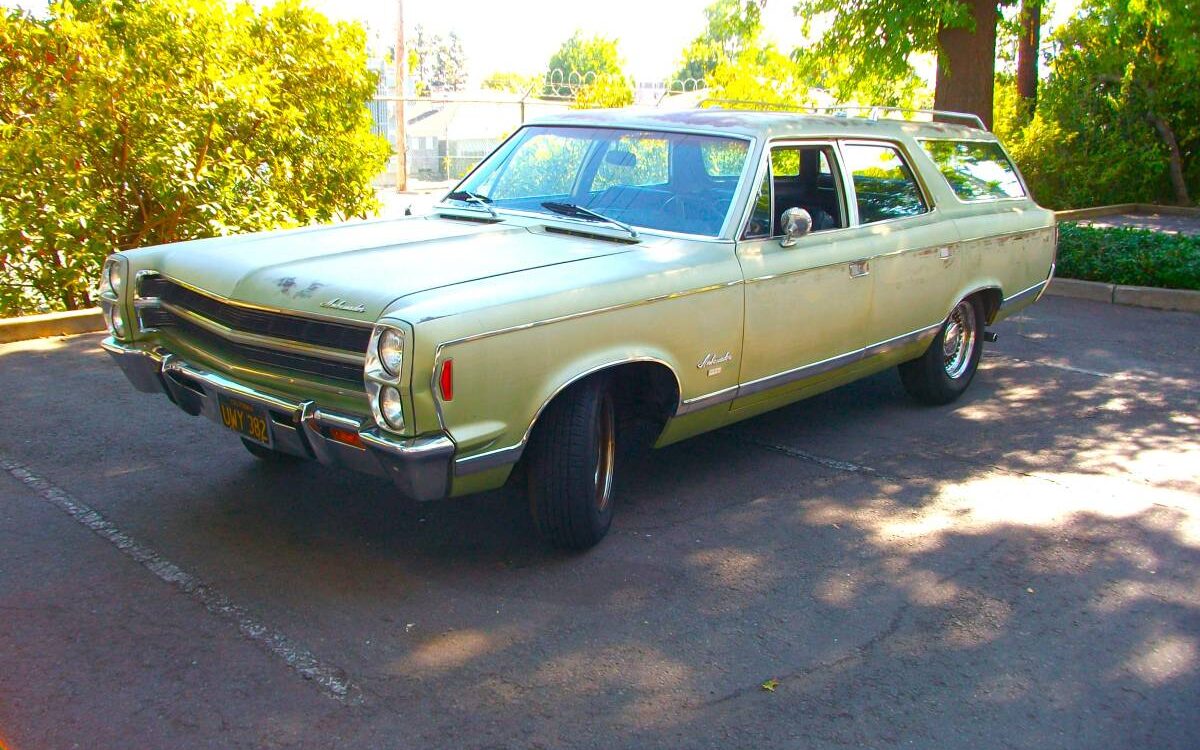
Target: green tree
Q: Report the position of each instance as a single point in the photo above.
(589, 69)
(125, 124)
(1133, 66)
(513, 83)
(732, 26)
(437, 63)
(761, 75)
(873, 40)
(1118, 119)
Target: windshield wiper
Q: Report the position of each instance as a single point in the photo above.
(466, 196)
(579, 212)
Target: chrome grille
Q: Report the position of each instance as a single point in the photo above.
(349, 338)
(277, 339)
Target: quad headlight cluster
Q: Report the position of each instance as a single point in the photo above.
(382, 375)
(112, 285)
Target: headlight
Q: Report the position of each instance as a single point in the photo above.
(114, 276)
(390, 407)
(391, 351)
(115, 320)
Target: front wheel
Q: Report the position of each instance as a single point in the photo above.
(944, 371)
(572, 460)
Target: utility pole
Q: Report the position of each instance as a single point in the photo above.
(401, 150)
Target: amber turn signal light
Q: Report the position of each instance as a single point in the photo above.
(345, 436)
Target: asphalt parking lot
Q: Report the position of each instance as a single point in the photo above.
(1020, 569)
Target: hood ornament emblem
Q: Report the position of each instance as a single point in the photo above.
(337, 303)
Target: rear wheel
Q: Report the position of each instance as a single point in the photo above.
(572, 461)
(270, 455)
(944, 371)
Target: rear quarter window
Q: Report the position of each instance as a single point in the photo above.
(884, 185)
(975, 170)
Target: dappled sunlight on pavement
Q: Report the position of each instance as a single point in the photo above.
(1020, 568)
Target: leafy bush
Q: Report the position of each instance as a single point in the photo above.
(1128, 256)
(125, 124)
(1118, 119)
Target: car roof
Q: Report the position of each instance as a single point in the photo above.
(759, 124)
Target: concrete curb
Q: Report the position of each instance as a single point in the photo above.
(51, 324)
(1125, 208)
(1185, 300)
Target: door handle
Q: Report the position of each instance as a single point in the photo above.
(859, 268)
(945, 253)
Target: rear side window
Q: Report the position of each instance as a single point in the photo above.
(884, 185)
(976, 171)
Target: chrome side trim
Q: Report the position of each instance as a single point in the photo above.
(699, 403)
(1016, 234)
(269, 342)
(587, 313)
(834, 363)
(1034, 291)
(511, 454)
(490, 460)
(798, 373)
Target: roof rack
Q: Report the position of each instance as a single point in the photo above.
(873, 111)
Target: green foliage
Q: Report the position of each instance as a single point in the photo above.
(866, 51)
(1120, 70)
(125, 124)
(590, 70)
(733, 26)
(513, 83)
(437, 63)
(759, 75)
(1128, 256)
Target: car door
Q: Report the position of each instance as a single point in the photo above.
(914, 250)
(807, 305)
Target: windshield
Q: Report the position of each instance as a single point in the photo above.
(676, 182)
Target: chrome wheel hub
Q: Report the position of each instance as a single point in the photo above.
(606, 453)
(958, 341)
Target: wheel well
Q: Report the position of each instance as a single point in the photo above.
(990, 298)
(646, 394)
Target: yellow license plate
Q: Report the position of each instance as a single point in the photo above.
(246, 419)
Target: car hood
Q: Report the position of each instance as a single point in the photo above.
(354, 271)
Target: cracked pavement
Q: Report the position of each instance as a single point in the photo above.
(1018, 569)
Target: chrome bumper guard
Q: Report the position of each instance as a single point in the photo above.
(419, 467)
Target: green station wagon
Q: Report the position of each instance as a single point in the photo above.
(602, 281)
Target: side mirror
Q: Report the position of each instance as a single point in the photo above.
(796, 223)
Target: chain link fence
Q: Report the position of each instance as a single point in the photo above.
(447, 135)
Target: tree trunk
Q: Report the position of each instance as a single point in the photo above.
(1174, 159)
(1027, 52)
(967, 64)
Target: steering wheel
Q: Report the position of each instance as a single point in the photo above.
(689, 208)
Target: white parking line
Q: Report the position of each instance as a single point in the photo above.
(332, 680)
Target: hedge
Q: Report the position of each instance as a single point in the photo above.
(1136, 257)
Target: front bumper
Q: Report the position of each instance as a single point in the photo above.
(420, 467)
